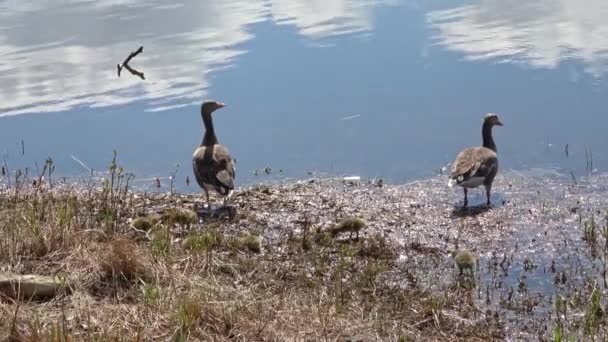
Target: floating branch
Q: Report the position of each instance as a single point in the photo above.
(125, 64)
(128, 59)
(135, 72)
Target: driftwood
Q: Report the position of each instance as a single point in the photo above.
(126, 65)
(31, 286)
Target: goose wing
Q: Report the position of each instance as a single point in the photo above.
(474, 162)
(225, 170)
(213, 166)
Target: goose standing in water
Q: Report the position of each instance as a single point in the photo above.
(475, 166)
(213, 166)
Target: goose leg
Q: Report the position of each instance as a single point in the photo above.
(488, 189)
(208, 201)
(466, 200)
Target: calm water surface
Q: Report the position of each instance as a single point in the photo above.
(382, 88)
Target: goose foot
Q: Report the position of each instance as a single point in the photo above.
(465, 207)
(488, 191)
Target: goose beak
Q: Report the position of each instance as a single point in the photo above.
(220, 105)
(498, 123)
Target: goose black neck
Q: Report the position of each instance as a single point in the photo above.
(486, 134)
(209, 139)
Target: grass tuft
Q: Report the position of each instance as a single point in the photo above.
(189, 312)
(160, 242)
(123, 261)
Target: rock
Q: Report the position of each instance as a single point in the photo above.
(32, 286)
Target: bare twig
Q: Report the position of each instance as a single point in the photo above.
(125, 64)
(135, 72)
(172, 179)
(423, 322)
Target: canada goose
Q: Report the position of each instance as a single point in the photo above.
(464, 259)
(213, 166)
(475, 166)
(350, 224)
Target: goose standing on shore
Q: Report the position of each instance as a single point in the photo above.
(213, 166)
(475, 166)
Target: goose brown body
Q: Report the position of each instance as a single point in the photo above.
(475, 166)
(213, 166)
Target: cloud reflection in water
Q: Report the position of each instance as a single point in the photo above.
(56, 55)
(539, 33)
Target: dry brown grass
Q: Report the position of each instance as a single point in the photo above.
(211, 282)
(215, 280)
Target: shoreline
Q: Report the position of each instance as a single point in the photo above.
(210, 280)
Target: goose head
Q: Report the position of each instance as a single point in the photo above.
(492, 120)
(211, 106)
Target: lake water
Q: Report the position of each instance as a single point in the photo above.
(382, 88)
